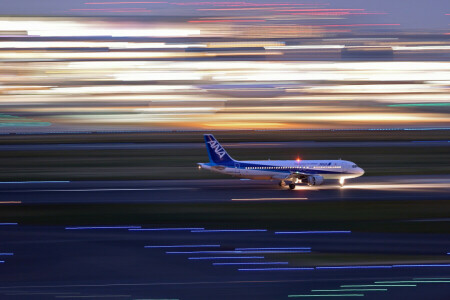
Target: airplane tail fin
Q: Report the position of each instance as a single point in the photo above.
(216, 152)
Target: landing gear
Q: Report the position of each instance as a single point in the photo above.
(341, 181)
(282, 183)
(292, 186)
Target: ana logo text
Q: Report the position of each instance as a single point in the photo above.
(217, 148)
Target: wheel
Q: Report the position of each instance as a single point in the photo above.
(292, 186)
(282, 183)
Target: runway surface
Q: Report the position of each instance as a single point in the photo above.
(181, 260)
(191, 263)
(358, 189)
(153, 146)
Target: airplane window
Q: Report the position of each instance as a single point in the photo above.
(354, 166)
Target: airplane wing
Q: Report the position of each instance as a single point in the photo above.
(293, 175)
(297, 175)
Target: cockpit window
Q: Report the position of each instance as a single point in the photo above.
(354, 166)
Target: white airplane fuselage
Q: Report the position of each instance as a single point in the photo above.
(280, 169)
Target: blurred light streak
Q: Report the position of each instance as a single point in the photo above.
(119, 2)
(300, 47)
(227, 257)
(239, 252)
(376, 285)
(413, 281)
(408, 186)
(353, 267)
(314, 232)
(277, 269)
(6, 224)
(419, 104)
(432, 278)
(184, 246)
(95, 44)
(73, 28)
(327, 295)
(102, 227)
(357, 25)
(268, 199)
(421, 265)
(7, 254)
(226, 21)
(276, 248)
(14, 182)
(10, 202)
(165, 229)
(206, 252)
(229, 230)
(250, 263)
(323, 9)
(351, 290)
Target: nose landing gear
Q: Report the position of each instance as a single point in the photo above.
(341, 181)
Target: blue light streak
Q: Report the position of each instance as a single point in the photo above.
(205, 252)
(251, 263)
(184, 246)
(277, 269)
(2, 261)
(101, 227)
(313, 232)
(236, 252)
(277, 251)
(14, 182)
(7, 254)
(5, 224)
(163, 229)
(230, 230)
(354, 267)
(276, 248)
(422, 265)
(228, 257)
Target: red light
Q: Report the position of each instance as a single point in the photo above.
(298, 159)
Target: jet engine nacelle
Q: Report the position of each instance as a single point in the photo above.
(315, 180)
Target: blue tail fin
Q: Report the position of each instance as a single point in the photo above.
(216, 152)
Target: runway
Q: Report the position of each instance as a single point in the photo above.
(168, 191)
(194, 240)
(57, 262)
(245, 145)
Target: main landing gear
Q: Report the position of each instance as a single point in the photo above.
(341, 182)
(283, 184)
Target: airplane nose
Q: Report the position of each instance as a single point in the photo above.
(361, 171)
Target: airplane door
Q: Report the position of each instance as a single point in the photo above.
(237, 169)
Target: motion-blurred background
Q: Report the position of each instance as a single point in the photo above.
(162, 71)
(139, 65)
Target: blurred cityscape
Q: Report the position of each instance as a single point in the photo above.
(231, 65)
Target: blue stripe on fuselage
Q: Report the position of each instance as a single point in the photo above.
(244, 165)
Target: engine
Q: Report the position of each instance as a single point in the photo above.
(314, 180)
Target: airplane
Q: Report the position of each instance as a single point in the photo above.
(311, 172)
